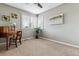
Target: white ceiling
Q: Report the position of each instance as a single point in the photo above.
(33, 8)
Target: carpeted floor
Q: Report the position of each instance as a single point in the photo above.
(39, 47)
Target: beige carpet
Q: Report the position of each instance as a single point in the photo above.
(39, 47)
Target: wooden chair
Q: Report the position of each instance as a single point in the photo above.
(15, 38)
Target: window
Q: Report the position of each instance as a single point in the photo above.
(41, 22)
(33, 22)
(25, 21)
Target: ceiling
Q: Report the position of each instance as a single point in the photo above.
(33, 8)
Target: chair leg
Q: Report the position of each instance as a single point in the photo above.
(16, 43)
(9, 42)
(20, 41)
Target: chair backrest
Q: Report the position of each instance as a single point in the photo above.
(12, 28)
(19, 35)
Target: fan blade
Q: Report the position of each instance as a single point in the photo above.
(40, 5)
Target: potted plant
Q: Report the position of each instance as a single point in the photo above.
(37, 32)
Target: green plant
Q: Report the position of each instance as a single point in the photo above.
(37, 32)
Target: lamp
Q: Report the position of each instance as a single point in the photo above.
(13, 25)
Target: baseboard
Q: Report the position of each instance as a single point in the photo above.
(68, 44)
(29, 38)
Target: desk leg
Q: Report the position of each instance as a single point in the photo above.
(7, 44)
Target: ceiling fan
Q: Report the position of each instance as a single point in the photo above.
(39, 5)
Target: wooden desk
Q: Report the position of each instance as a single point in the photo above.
(5, 33)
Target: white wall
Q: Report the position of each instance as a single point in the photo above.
(7, 10)
(67, 32)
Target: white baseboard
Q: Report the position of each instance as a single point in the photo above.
(68, 44)
(29, 38)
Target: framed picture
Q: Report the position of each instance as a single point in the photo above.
(58, 19)
(5, 18)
